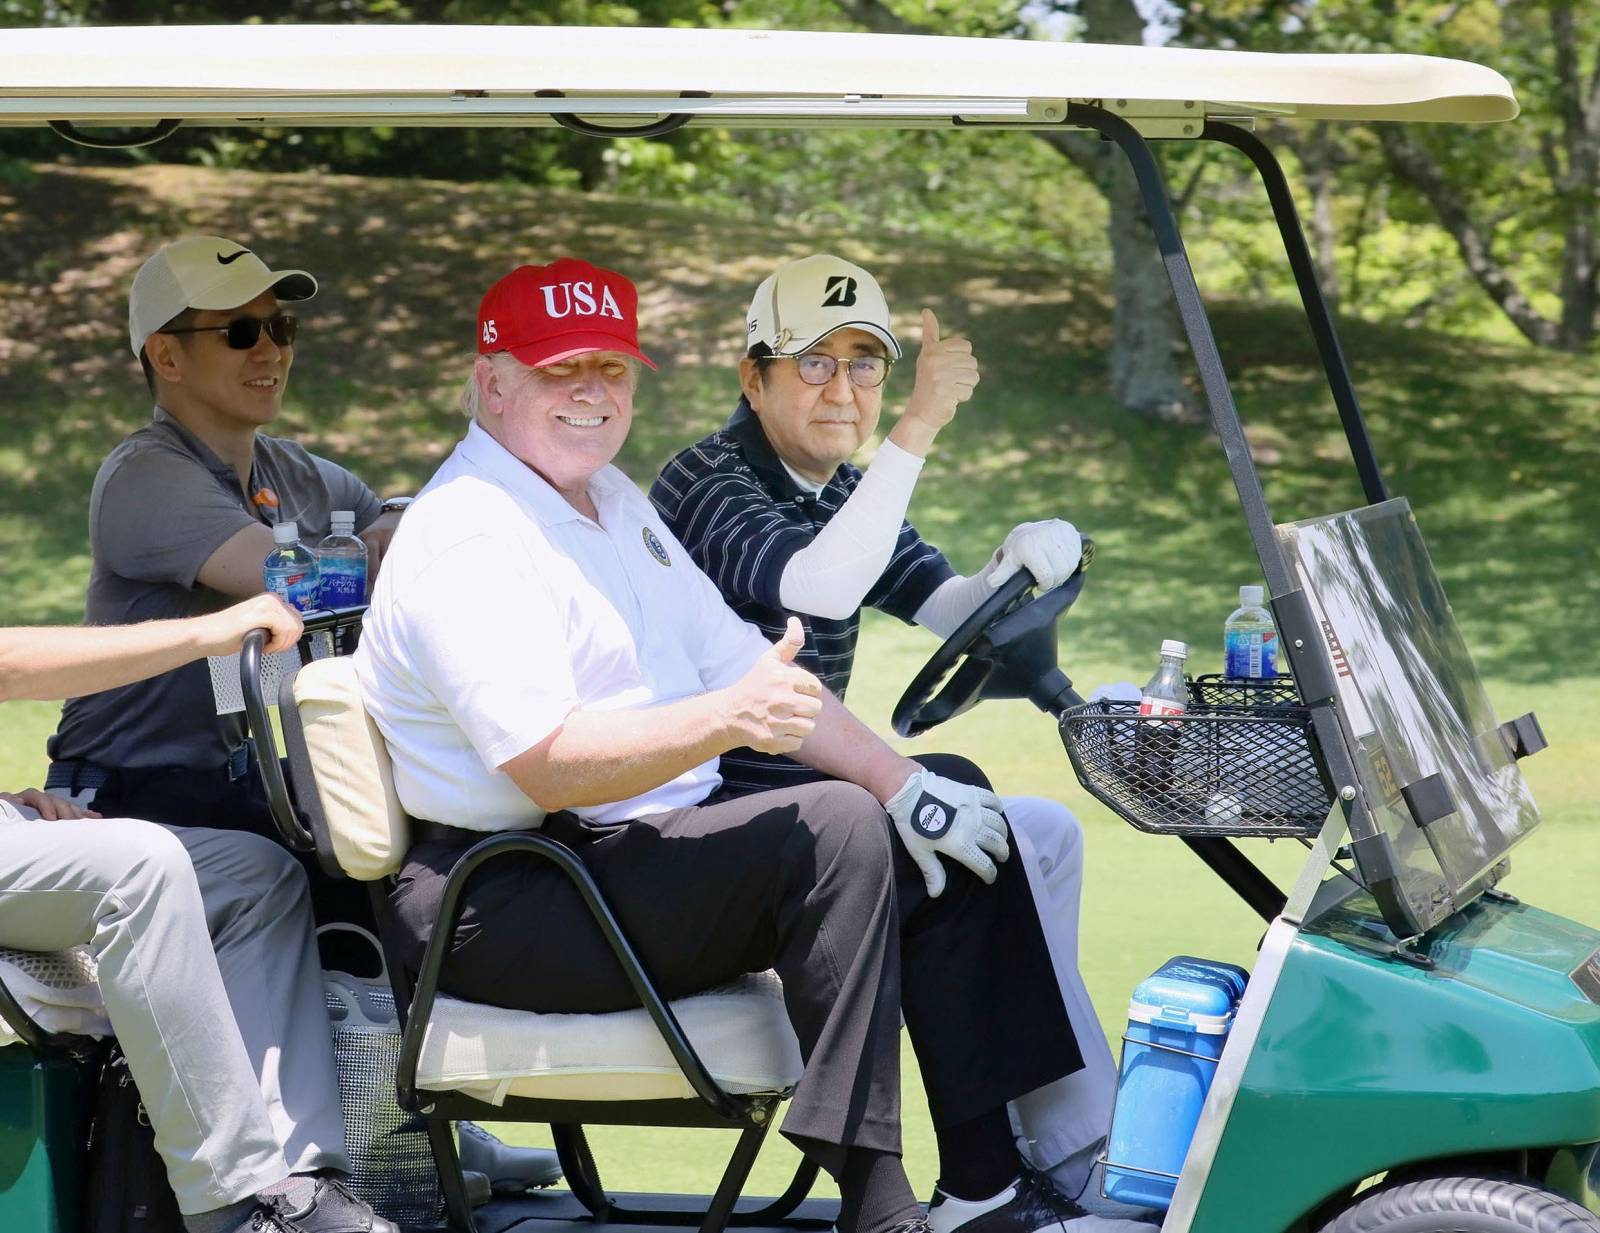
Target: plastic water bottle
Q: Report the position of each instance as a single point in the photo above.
(1167, 694)
(1157, 739)
(1249, 639)
(291, 568)
(342, 563)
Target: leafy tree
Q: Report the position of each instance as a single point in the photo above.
(1147, 339)
(1503, 196)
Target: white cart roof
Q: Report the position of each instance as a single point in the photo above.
(486, 75)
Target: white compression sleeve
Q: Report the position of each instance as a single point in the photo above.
(832, 574)
(955, 600)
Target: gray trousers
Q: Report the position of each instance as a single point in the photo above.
(209, 972)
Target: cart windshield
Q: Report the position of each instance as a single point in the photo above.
(1414, 711)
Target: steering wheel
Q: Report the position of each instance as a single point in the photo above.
(1005, 649)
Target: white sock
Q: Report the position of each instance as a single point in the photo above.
(947, 1213)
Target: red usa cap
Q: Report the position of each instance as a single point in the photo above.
(546, 313)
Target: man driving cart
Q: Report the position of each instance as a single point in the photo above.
(771, 508)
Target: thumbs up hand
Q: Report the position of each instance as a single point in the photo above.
(788, 646)
(947, 372)
(774, 706)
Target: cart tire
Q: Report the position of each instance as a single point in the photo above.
(1463, 1205)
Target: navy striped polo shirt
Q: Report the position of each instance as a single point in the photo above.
(741, 516)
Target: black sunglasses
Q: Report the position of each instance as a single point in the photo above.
(245, 332)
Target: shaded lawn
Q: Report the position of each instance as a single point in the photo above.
(1494, 445)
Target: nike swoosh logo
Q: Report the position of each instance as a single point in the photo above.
(221, 260)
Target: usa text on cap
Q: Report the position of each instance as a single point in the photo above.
(546, 313)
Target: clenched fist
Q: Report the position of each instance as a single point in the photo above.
(947, 372)
(220, 633)
(775, 705)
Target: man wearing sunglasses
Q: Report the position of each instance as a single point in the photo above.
(772, 510)
(180, 521)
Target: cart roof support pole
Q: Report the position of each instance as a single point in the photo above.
(1375, 860)
(1316, 307)
(1224, 415)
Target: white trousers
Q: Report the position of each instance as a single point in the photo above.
(254, 955)
(128, 890)
(1060, 1128)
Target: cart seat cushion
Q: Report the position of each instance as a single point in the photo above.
(56, 989)
(367, 828)
(740, 1030)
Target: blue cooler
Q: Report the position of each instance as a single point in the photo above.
(1178, 1021)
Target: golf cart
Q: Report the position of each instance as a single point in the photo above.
(1415, 1050)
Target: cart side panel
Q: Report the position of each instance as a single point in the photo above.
(45, 1104)
(1365, 1063)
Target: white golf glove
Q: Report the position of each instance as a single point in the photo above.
(1050, 550)
(933, 814)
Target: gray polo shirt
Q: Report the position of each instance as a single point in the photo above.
(162, 504)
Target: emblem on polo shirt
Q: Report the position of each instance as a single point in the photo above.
(657, 549)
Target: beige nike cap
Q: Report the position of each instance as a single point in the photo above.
(204, 271)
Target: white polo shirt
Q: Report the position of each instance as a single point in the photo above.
(500, 610)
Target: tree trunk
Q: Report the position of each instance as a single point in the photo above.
(1147, 340)
(1319, 159)
(1572, 161)
(1575, 183)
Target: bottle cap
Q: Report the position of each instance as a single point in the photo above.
(1171, 646)
(285, 533)
(1251, 597)
(342, 521)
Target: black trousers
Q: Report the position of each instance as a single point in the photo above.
(810, 881)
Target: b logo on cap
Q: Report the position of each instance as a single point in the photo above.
(840, 292)
(490, 334)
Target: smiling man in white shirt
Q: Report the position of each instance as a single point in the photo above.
(541, 651)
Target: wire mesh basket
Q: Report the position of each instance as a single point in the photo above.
(391, 1162)
(1238, 762)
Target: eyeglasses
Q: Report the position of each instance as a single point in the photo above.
(866, 372)
(245, 332)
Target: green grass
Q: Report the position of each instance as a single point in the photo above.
(1145, 897)
(1495, 445)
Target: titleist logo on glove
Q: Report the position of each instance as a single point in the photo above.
(935, 816)
(932, 816)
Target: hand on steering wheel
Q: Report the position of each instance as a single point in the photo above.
(1005, 649)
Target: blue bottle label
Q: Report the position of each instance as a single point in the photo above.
(342, 588)
(1250, 653)
(297, 587)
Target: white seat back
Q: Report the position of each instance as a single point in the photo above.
(368, 830)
